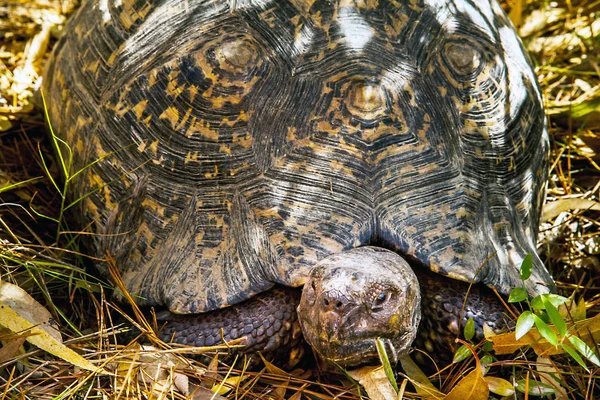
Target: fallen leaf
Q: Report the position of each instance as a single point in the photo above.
(181, 382)
(472, 387)
(212, 375)
(20, 313)
(156, 371)
(272, 369)
(547, 373)
(423, 386)
(553, 208)
(375, 382)
(226, 385)
(587, 330)
(202, 393)
(499, 386)
(10, 348)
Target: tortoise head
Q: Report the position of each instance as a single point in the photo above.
(353, 298)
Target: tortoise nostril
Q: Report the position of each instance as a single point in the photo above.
(334, 301)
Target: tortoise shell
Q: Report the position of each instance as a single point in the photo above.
(233, 145)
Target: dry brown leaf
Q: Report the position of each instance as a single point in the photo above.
(296, 396)
(547, 372)
(181, 382)
(211, 376)
(375, 382)
(554, 208)
(472, 387)
(10, 348)
(155, 370)
(274, 369)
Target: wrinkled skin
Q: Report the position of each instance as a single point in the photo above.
(355, 297)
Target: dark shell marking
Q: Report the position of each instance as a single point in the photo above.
(241, 142)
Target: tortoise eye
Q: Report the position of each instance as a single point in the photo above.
(463, 59)
(379, 301)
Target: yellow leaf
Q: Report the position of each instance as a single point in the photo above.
(500, 386)
(228, 384)
(488, 331)
(516, 13)
(580, 310)
(472, 387)
(424, 387)
(272, 369)
(20, 313)
(588, 330)
(375, 382)
(27, 307)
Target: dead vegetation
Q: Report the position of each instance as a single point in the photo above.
(39, 253)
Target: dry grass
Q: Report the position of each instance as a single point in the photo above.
(42, 257)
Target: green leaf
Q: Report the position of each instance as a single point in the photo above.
(487, 359)
(485, 363)
(500, 386)
(488, 346)
(544, 330)
(539, 301)
(584, 349)
(10, 186)
(517, 294)
(575, 355)
(462, 353)
(524, 324)
(469, 330)
(387, 367)
(535, 388)
(555, 317)
(526, 267)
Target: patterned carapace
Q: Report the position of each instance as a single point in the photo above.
(239, 142)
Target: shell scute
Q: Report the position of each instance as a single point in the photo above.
(239, 146)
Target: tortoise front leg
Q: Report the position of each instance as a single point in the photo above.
(441, 323)
(268, 323)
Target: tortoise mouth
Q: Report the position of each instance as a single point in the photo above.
(349, 354)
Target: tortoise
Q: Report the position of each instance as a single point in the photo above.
(229, 153)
